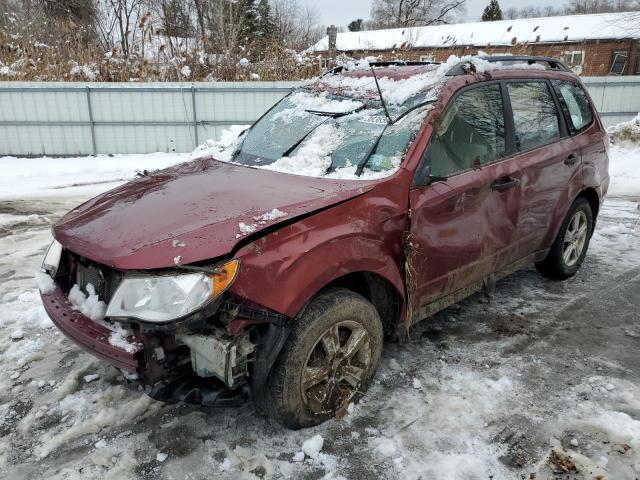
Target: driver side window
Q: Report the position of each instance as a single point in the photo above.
(471, 133)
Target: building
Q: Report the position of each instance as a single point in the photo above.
(593, 45)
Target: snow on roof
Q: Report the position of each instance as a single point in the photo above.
(570, 28)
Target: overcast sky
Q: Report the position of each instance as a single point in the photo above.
(341, 12)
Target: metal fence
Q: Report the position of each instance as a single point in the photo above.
(81, 119)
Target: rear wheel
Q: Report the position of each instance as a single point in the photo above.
(330, 356)
(570, 246)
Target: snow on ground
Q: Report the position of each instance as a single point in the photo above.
(545, 376)
(63, 177)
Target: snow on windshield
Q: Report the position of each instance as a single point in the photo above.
(313, 158)
(316, 155)
(303, 101)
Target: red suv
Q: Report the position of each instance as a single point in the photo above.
(368, 199)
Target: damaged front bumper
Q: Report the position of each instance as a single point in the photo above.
(88, 334)
(209, 366)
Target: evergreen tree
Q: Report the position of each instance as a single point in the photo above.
(250, 18)
(265, 26)
(356, 25)
(492, 12)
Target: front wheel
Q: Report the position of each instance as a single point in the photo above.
(328, 360)
(570, 246)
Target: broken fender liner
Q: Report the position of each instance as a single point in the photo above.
(189, 388)
(267, 351)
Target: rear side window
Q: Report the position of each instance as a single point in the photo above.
(534, 114)
(470, 133)
(575, 104)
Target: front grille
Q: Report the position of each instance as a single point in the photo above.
(104, 279)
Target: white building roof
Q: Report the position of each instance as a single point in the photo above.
(570, 28)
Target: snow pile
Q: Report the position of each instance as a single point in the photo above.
(119, 338)
(626, 132)
(246, 229)
(82, 176)
(220, 149)
(17, 335)
(45, 282)
(272, 215)
(313, 157)
(624, 156)
(312, 447)
(318, 101)
(396, 92)
(89, 305)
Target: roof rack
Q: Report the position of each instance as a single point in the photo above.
(389, 63)
(554, 64)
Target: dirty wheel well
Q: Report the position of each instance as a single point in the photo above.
(592, 197)
(379, 291)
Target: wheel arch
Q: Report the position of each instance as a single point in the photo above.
(380, 291)
(591, 195)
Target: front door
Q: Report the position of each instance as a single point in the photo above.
(464, 201)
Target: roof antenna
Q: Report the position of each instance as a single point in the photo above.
(384, 105)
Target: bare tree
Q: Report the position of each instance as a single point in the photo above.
(295, 26)
(410, 13)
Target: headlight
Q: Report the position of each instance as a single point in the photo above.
(161, 298)
(52, 258)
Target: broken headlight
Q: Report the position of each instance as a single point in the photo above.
(162, 298)
(51, 260)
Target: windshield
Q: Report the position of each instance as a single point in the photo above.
(316, 133)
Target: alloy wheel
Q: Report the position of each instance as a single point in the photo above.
(336, 368)
(575, 238)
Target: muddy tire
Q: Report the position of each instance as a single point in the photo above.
(570, 246)
(327, 362)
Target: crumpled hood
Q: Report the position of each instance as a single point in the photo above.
(192, 211)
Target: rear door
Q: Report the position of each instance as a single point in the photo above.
(464, 200)
(549, 161)
(584, 127)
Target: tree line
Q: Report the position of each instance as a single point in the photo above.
(573, 7)
(155, 39)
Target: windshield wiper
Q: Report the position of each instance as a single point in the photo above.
(374, 147)
(320, 113)
(292, 148)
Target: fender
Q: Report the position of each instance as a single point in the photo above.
(285, 269)
(566, 199)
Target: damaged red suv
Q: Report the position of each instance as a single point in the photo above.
(364, 201)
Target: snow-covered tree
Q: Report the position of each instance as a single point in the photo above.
(492, 12)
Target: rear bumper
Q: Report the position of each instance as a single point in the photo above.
(91, 336)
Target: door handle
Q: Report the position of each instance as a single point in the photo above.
(570, 160)
(505, 184)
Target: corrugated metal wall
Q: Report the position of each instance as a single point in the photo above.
(616, 98)
(80, 119)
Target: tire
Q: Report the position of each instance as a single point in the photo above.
(559, 263)
(335, 314)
